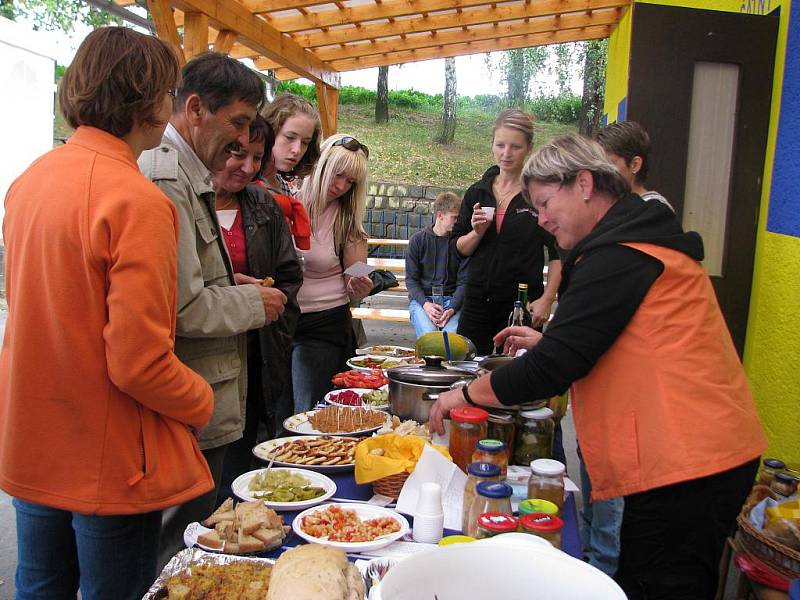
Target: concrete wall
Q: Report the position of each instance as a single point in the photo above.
(773, 333)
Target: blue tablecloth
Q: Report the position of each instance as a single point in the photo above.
(348, 489)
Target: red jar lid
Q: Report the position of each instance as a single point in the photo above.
(469, 414)
(498, 522)
(541, 522)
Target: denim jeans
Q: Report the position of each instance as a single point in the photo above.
(422, 322)
(313, 366)
(106, 556)
(601, 523)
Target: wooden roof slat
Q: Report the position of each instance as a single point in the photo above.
(447, 21)
(224, 40)
(164, 20)
(508, 43)
(397, 8)
(473, 34)
(195, 33)
(259, 35)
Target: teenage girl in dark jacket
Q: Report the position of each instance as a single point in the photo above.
(506, 248)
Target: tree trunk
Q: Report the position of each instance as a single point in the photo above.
(448, 131)
(594, 67)
(382, 99)
(517, 78)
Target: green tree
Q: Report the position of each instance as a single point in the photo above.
(56, 15)
(449, 100)
(595, 53)
(382, 98)
(518, 67)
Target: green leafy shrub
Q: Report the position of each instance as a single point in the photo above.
(556, 109)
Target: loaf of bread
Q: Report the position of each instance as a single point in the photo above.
(315, 572)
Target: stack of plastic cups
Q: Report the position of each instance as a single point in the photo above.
(429, 516)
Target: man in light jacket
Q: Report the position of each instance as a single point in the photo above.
(217, 99)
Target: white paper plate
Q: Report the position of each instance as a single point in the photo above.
(194, 530)
(385, 350)
(329, 397)
(300, 424)
(264, 451)
(393, 362)
(241, 483)
(364, 512)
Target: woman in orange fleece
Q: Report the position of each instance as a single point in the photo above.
(95, 408)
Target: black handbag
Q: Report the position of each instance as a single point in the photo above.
(382, 280)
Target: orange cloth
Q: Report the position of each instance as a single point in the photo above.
(669, 401)
(296, 217)
(94, 404)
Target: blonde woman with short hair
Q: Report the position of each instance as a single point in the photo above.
(334, 195)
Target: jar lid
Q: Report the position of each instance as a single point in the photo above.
(494, 489)
(547, 466)
(786, 478)
(469, 414)
(455, 539)
(490, 445)
(504, 418)
(774, 463)
(538, 414)
(483, 469)
(541, 522)
(537, 505)
(432, 373)
(498, 522)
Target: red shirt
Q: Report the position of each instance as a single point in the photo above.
(235, 242)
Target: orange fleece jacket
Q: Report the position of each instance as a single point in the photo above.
(95, 407)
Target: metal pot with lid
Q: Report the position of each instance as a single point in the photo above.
(414, 388)
(495, 361)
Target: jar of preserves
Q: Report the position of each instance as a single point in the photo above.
(467, 427)
(492, 524)
(501, 427)
(490, 497)
(537, 505)
(492, 451)
(547, 481)
(476, 472)
(534, 436)
(784, 484)
(769, 468)
(545, 526)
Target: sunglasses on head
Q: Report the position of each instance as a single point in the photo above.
(352, 144)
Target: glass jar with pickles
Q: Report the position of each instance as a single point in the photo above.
(545, 526)
(547, 481)
(492, 451)
(534, 436)
(467, 427)
(476, 473)
(501, 427)
(492, 524)
(491, 497)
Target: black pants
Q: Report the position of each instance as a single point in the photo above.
(672, 537)
(480, 321)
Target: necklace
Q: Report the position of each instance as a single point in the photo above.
(231, 201)
(504, 197)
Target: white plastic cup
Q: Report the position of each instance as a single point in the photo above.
(429, 517)
(430, 499)
(489, 212)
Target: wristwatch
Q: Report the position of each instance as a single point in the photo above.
(465, 393)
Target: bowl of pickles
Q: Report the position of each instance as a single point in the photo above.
(284, 488)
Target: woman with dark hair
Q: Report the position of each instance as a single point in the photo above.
(663, 411)
(497, 230)
(97, 411)
(261, 252)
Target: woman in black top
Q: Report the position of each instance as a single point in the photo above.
(506, 248)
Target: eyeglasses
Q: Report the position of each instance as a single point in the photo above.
(351, 144)
(173, 92)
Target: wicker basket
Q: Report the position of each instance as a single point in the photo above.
(778, 556)
(390, 486)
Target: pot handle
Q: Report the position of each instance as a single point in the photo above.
(428, 397)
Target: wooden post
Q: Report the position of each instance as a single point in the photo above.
(224, 41)
(195, 34)
(161, 13)
(328, 102)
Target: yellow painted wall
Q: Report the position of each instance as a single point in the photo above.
(772, 352)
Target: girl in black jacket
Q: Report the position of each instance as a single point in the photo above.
(505, 243)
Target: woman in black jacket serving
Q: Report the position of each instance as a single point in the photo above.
(505, 243)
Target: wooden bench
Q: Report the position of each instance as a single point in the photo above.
(381, 314)
(396, 265)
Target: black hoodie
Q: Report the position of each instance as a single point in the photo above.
(598, 296)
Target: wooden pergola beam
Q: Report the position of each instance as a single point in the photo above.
(163, 19)
(399, 8)
(259, 35)
(195, 34)
(508, 43)
(478, 16)
(472, 34)
(328, 103)
(223, 41)
(260, 6)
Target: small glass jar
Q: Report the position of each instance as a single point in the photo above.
(769, 468)
(784, 484)
(492, 451)
(492, 524)
(501, 427)
(547, 481)
(476, 472)
(491, 497)
(537, 505)
(467, 427)
(545, 526)
(534, 436)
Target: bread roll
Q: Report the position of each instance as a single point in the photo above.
(315, 572)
